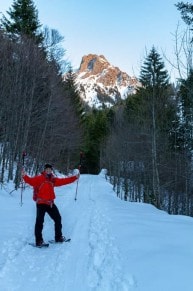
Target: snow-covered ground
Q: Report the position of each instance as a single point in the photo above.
(115, 246)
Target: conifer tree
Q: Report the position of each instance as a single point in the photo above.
(96, 129)
(152, 112)
(185, 134)
(23, 20)
(72, 91)
(155, 90)
(153, 73)
(186, 10)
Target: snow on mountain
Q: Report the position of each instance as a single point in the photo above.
(115, 245)
(100, 83)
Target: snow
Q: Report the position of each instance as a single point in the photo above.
(115, 245)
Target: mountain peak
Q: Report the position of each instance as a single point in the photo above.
(101, 84)
(93, 64)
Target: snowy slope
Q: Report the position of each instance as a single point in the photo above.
(116, 246)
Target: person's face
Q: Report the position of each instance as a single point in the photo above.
(48, 170)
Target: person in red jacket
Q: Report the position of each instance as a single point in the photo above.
(45, 195)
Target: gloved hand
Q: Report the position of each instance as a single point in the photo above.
(76, 173)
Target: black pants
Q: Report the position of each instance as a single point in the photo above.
(54, 214)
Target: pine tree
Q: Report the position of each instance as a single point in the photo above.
(153, 73)
(23, 20)
(155, 89)
(185, 134)
(71, 90)
(96, 129)
(153, 111)
(186, 10)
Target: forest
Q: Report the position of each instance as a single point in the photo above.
(145, 141)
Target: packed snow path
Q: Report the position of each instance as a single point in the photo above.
(115, 245)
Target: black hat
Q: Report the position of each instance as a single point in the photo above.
(48, 166)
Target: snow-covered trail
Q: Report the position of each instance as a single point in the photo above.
(91, 261)
(115, 245)
(97, 257)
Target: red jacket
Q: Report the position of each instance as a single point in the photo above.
(46, 184)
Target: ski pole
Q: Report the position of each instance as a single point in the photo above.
(75, 198)
(22, 183)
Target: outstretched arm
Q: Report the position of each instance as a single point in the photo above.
(32, 181)
(67, 180)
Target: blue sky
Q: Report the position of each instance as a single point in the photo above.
(121, 30)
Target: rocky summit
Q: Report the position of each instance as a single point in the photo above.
(101, 84)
